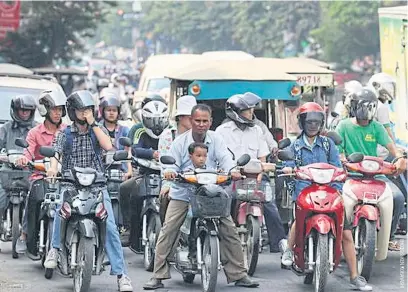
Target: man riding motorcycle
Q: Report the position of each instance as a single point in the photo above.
(81, 145)
(362, 133)
(231, 250)
(310, 147)
(155, 118)
(52, 108)
(242, 135)
(22, 110)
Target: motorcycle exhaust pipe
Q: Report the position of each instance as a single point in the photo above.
(41, 247)
(311, 259)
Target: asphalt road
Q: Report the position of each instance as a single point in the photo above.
(25, 275)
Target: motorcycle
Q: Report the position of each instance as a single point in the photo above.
(151, 223)
(319, 219)
(83, 223)
(401, 181)
(198, 249)
(369, 204)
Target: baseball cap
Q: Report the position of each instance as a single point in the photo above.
(185, 104)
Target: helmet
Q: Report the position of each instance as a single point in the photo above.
(25, 102)
(50, 99)
(311, 118)
(155, 118)
(350, 87)
(363, 104)
(80, 99)
(109, 100)
(384, 86)
(238, 103)
(152, 97)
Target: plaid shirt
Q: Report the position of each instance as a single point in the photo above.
(83, 153)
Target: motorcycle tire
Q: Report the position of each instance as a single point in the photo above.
(15, 229)
(209, 271)
(322, 267)
(153, 231)
(48, 272)
(188, 278)
(366, 242)
(84, 267)
(253, 242)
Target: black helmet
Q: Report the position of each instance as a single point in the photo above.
(238, 103)
(109, 99)
(363, 104)
(80, 99)
(50, 99)
(24, 102)
(152, 97)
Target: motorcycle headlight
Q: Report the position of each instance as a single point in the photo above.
(370, 165)
(322, 176)
(206, 178)
(85, 179)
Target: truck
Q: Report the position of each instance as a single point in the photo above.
(393, 25)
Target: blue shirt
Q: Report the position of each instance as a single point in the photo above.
(314, 153)
(218, 157)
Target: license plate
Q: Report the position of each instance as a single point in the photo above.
(315, 79)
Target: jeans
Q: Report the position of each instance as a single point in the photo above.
(113, 245)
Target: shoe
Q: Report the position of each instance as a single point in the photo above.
(394, 245)
(283, 245)
(125, 237)
(287, 258)
(21, 246)
(52, 259)
(153, 284)
(359, 283)
(125, 284)
(246, 282)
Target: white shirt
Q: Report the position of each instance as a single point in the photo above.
(251, 141)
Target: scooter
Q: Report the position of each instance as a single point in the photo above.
(368, 204)
(319, 219)
(198, 249)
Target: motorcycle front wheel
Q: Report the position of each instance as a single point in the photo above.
(48, 272)
(153, 231)
(366, 252)
(209, 270)
(252, 247)
(322, 266)
(15, 229)
(83, 271)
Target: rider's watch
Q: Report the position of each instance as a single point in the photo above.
(94, 124)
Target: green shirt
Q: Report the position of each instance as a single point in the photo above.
(361, 139)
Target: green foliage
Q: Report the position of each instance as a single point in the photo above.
(54, 30)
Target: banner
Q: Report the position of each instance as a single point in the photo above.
(9, 17)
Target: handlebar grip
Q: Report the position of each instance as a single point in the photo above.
(278, 167)
(279, 171)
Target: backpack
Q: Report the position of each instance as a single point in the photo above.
(69, 141)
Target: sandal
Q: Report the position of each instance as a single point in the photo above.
(394, 246)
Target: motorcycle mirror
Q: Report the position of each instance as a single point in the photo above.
(284, 143)
(20, 142)
(335, 137)
(121, 155)
(167, 160)
(355, 157)
(47, 151)
(243, 160)
(286, 155)
(125, 141)
(334, 114)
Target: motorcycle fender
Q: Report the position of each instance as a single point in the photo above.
(322, 223)
(255, 211)
(151, 206)
(87, 228)
(368, 212)
(242, 213)
(15, 199)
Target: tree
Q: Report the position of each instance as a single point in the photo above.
(54, 31)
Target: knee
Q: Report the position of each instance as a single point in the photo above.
(399, 199)
(347, 236)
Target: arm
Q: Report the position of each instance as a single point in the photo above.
(290, 163)
(334, 157)
(223, 156)
(383, 117)
(3, 136)
(341, 147)
(32, 144)
(103, 138)
(139, 150)
(263, 146)
(58, 144)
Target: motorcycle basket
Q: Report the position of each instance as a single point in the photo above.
(251, 191)
(214, 206)
(16, 180)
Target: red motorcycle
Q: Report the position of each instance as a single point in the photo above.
(319, 219)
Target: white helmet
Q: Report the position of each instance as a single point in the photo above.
(384, 85)
(350, 87)
(155, 118)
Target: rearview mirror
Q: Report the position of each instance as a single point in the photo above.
(47, 151)
(20, 142)
(282, 144)
(335, 137)
(334, 114)
(121, 155)
(167, 160)
(125, 141)
(285, 155)
(355, 157)
(243, 160)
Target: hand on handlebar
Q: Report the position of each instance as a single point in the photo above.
(287, 170)
(170, 175)
(235, 175)
(51, 174)
(401, 165)
(164, 192)
(22, 161)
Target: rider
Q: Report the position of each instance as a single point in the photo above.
(362, 134)
(52, 107)
(231, 249)
(155, 118)
(22, 110)
(242, 136)
(81, 145)
(310, 147)
(184, 106)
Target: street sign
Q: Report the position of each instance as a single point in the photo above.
(9, 17)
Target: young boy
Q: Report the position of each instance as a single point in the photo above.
(198, 154)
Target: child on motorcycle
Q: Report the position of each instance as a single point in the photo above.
(310, 147)
(198, 154)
